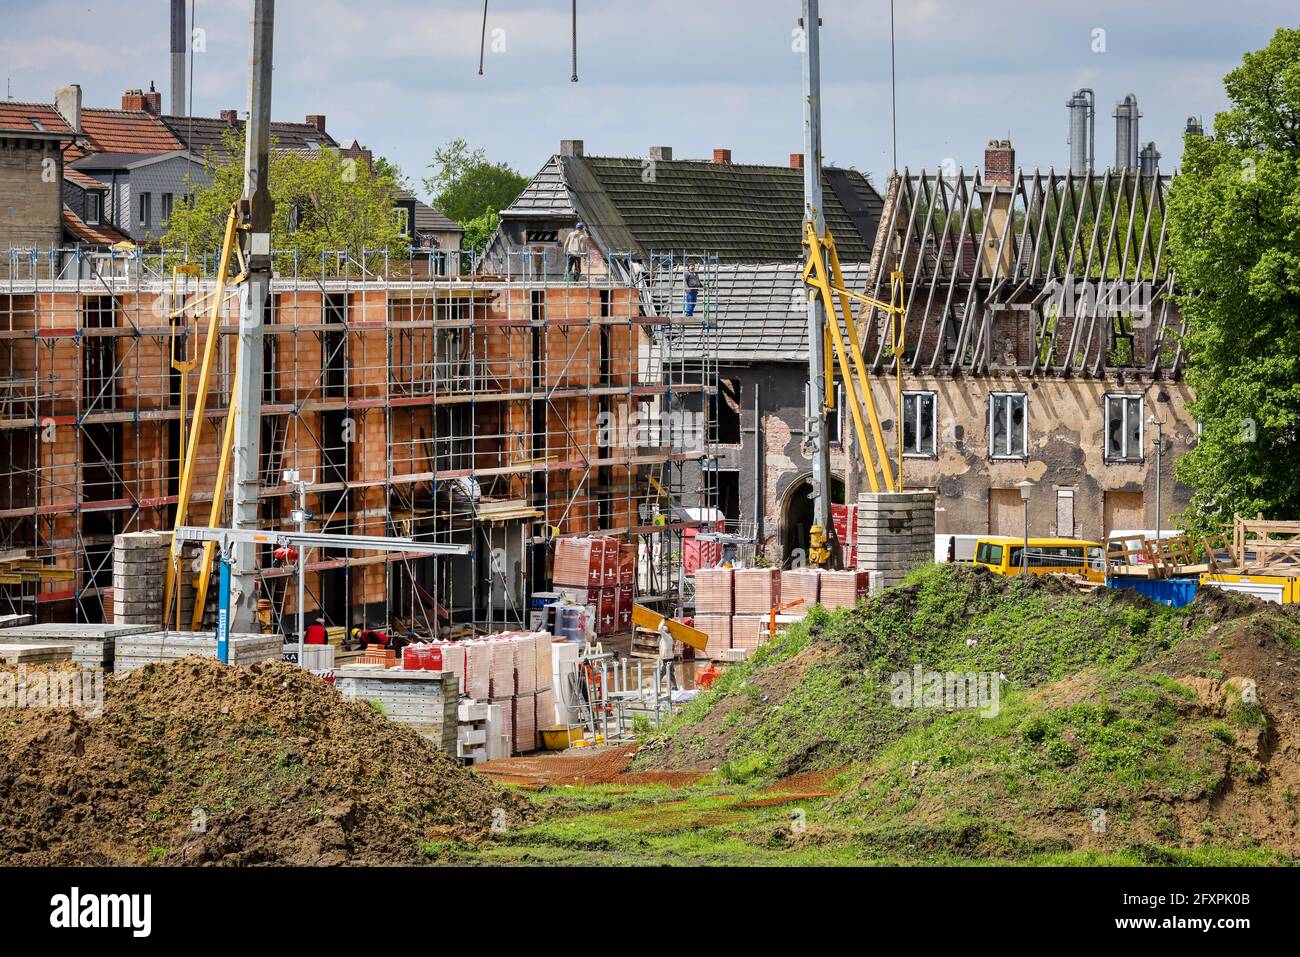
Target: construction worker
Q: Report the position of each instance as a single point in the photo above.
(667, 655)
(692, 286)
(316, 633)
(575, 251)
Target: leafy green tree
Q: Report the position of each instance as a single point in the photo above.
(479, 230)
(1234, 244)
(464, 185)
(324, 203)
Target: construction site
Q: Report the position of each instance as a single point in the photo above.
(697, 512)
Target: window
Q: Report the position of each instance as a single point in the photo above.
(403, 220)
(1008, 425)
(167, 201)
(1124, 428)
(918, 423)
(728, 411)
(989, 554)
(146, 208)
(94, 208)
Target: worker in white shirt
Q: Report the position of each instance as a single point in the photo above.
(667, 656)
(575, 251)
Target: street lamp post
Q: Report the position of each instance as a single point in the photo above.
(1160, 448)
(1025, 487)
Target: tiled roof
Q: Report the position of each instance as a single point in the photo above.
(742, 213)
(200, 133)
(19, 116)
(103, 131)
(427, 219)
(120, 131)
(78, 178)
(761, 310)
(104, 235)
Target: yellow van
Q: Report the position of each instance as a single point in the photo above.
(1065, 556)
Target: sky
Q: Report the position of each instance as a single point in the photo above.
(402, 77)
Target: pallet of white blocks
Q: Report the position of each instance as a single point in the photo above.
(158, 647)
(472, 731)
(93, 646)
(34, 654)
(426, 700)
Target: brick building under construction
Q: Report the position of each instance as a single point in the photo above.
(495, 411)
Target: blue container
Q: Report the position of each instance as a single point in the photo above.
(1174, 592)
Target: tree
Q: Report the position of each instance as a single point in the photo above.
(1234, 245)
(464, 185)
(324, 203)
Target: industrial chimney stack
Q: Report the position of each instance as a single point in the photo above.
(1083, 127)
(180, 43)
(1126, 133)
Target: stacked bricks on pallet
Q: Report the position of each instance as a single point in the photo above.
(714, 591)
(844, 589)
(426, 700)
(758, 591)
(718, 630)
(157, 647)
(749, 631)
(92, 645)
(895, 534)
(800, 583)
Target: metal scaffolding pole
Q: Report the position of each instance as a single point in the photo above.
(256, 215)
(814, 213)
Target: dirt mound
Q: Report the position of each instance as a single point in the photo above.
(194, 762)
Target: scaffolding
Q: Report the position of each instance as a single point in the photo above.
(498, 411)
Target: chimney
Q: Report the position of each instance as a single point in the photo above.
(67, 100)
(796, 161)
(230, 116)
(137, 101)
(570, 147)
(999, 163)
(661, 152)
(317, 120)
(722, 157)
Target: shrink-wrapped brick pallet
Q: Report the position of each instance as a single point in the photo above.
(713, 591)
(543, 661)
(843, 589)
(501, 668)
(478, 670)
(579, 562)
(545, 710)
(453, 660)
(799, 583)
(524, 646)
(749, 631)
(758, 590)
(525, 723)
(718, 630)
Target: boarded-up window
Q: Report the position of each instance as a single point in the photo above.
(1122, 510)
(1065, 512)
(1006, 512)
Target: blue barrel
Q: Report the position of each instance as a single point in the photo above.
(1174, 592)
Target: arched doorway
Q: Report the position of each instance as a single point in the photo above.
(797, 514)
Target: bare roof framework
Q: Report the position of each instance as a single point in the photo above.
(1068, 270)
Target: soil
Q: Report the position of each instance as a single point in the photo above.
(195, 762)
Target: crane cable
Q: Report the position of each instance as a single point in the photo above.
(482, 40)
